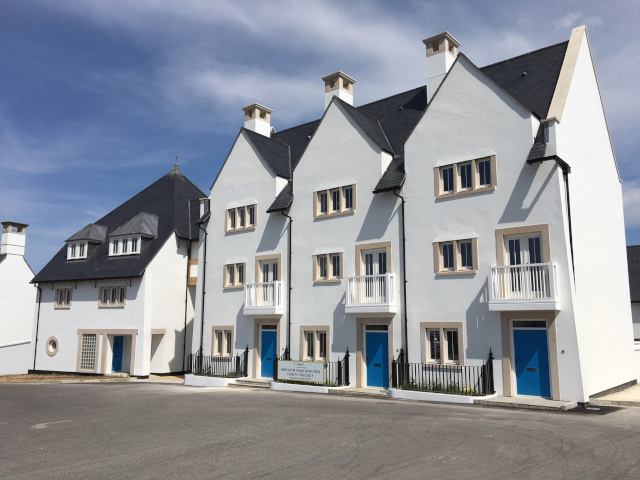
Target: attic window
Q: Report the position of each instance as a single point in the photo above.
(77, 250)
(125, 246)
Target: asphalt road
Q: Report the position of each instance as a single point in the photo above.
(127, 430)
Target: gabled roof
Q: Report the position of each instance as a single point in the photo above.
(370, 125)
(275, 153)
(92, 233)
(283, 200)
(633, 263)
(145, 224)
(531, 78)
(169, 199)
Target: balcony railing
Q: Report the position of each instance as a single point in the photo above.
(532, 286)
(371, 293)
(263, 298)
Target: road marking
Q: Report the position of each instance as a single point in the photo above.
(40, 426)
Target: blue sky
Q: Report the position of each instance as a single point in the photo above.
(98, 97)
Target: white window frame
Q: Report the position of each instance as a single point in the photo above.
(241, 218)
(324, 201)
(226, 334)
(121, 246)
(77, 250)
(63, 298)
(116, 296)
(330, 259)
(457, 268)
(456, 168)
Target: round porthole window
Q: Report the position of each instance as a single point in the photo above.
(52, 346)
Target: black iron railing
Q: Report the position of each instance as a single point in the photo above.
(336, 374)
(439, 378)
(229, 367)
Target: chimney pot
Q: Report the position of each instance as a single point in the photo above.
(338, 84)
(257, 118)
(14, 237)
(442, 50)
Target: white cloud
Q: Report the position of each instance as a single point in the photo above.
(575, 19)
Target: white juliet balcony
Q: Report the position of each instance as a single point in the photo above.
(524, 287)
(263, 298)
(371, 294)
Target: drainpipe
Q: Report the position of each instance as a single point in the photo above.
(290, 288)
(404, 280)
(204, 277)
(186, 300)
(566, 170)
(35, 349)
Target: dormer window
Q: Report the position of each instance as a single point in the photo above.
(76, 250)
(125, 246)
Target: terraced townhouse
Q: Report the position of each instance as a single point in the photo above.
(479, 214)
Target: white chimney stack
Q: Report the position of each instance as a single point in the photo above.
(14, 237)
(258, 119)
(442, 50)
(338, 84)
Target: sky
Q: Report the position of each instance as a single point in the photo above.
(97, 98)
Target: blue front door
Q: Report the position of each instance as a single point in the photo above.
(116, 364)
(377, 359)
(268, 352)
(532, 362)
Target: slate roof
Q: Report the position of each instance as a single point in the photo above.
(274, 152)
(370, 125)
(145, 224)
(530, 78)
(283, 200)
(633, 262)
(169, 199)
(92, 233)
(539, 148)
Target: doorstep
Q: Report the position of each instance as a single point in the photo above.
(532, 403)
(629, 397)
(361, 392)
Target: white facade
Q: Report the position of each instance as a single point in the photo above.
(503, 255)
(151, 320)
(264, 241)
(17, 298)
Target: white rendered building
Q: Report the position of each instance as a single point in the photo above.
(17, 298)
(481, 183)
(118, 297)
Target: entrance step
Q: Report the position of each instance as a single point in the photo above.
(117, 374)
(252, 383)
(532, 403)
(361, 392)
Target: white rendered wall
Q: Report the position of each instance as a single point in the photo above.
(245, 179)
(165, 283)
(340, 154)
(17, 300)
(603, 314)
(84, 314)
(471, 118)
